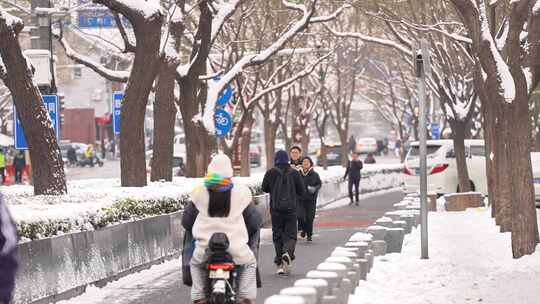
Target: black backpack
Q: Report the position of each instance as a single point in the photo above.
(283, 194)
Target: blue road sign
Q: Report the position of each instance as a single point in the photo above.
(117, 100)
(223, 122)
(51, 104)
(435, 131)
(225, 95)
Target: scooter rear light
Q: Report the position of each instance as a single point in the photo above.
(439, 168)
(221, 266)
(406, 171)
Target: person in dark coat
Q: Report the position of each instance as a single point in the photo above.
(283, 208)
(8, 263)
(296, 157)
(352, 144)
(353, 172)
(72, 156)
(370, 159)
(308, 201)
(19, 162)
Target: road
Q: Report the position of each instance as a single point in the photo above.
(111, 169)
(162, 283)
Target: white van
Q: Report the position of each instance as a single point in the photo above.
(442, 168)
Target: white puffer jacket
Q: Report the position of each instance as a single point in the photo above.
(233, 225)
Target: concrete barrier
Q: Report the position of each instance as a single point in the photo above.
(379, 247)
(61, 267)
(309, 294)
(394, 239)
(320, 285)
(282, 299)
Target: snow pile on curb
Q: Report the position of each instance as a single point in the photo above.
(94, 203)
(470, 261)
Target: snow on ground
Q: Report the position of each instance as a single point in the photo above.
(470, 262)
(86, 197)
(133, 286)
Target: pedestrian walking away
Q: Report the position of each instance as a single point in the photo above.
(19, 163)
(308, 201)
(3, 165)
(352, 144)
(8, 263)
(296, 157)
(353, 172)
(284, 185)
(221, 206)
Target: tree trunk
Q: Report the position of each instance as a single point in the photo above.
(503, 179)
(245, 161)
(269, 142)
(199, 143)
(164, 121)
(524, 221)
(143, 74)
(458, 131)
(305, 140)
(344, 139)
(48, 168)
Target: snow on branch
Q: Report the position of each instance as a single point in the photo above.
(257, 59)
(224, 12)
(118, 76)
(307, 71)
(369, 39)
(146, 9)
(18, 6)
(504, 77)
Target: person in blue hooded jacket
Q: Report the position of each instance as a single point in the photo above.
(8, 263)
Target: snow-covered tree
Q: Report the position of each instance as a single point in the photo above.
(16, 73)
(509, 74)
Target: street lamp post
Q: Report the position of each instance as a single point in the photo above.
(423, 69)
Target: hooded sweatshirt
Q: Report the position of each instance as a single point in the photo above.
(233, 225)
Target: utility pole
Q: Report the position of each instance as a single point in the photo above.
(423, 68)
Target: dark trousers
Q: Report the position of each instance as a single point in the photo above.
(18, 175)
(306, 224)
(284, 234)
(3, 173)
(356, 183)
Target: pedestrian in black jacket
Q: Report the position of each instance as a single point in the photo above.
(8, 263)
(308, 201)
(353, 171)
(19, 162)
(284, 185)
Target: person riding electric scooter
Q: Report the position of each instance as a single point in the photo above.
(213, 222)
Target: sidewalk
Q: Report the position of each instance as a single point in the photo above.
(470, 262)
(161, 284)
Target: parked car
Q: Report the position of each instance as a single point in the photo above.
(255, 158)
(333, 155)
(366, 145)
(178, 165)
(314, 146)
(79, 149)
(442, 167)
